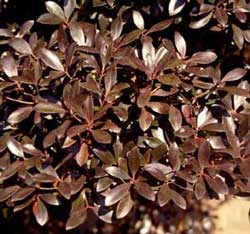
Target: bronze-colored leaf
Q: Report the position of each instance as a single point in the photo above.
(160, 26)
(124, 206)
(19, 115)
(138, 19)
(54, 9)
(201, 22)
(175, 6)
(103, 184)
(15, 147)
(145, 190)
(51, 59)
(65, 189)
(200, 189)
(9, 66)
(105, 156)
(175, 118)
(117, 193)
(180, 44)
(22, 193)
(7, 192)
(235, 74)
(203, 57)
(40, 211)
(134, 161)
(117, 172)
(82, 155)
(50, 198)
(204, 154)
(145, 119)
(102, 136)
(69, 6)
(20, 45)
(49, 108)
(159, 107)
(164, 195)
(50, 19)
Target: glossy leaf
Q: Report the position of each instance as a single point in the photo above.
(51, 59)
(138, 19)
(82, 155)
(55, 9)
(117, 172)
(40, 211)
(116, 194)
(15, 147)
(19, 115)
(124, 206)
(145, 190)
(20, 45)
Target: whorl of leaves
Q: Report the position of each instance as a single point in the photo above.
(112, 110)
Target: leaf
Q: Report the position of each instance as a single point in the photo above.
(117, 172)
(158, 170)
(40, 211)
(178, 200)
(19, 115)
(105, 156)
(203, 57)
(145, 119)
(15, 147)
(235, 90)
(49, 108)
(145, 190)
(175, 118)
(134, 161)
(55, 9)
(200, 189)
(164, 195)
(175, 6)
(50, 199)
(9, 66)
(116, 28)
(201, 22)
(138, 19)
(22, 193)
(160, 26)
(69, 6)
(235, 74)
(7, 192)
(130, 37)
(49, 19)
(217, 184)
(124, 206)
(82, 155)
(204, 153)
(25, 28)
(77, 33)
(101, 136)
(51, 59)
(20, 45)
(64, 189)
(204, 118)
(11, 170)
(103, 184)
(117, 193)
(159, 107)
(76, 219)
(238, 36)
(180, 44)
(221, 16)
(245, 167)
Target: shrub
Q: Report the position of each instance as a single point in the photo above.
(125, 102)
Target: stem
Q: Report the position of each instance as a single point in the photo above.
(20, 101)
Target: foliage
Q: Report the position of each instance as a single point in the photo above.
(116, 106)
